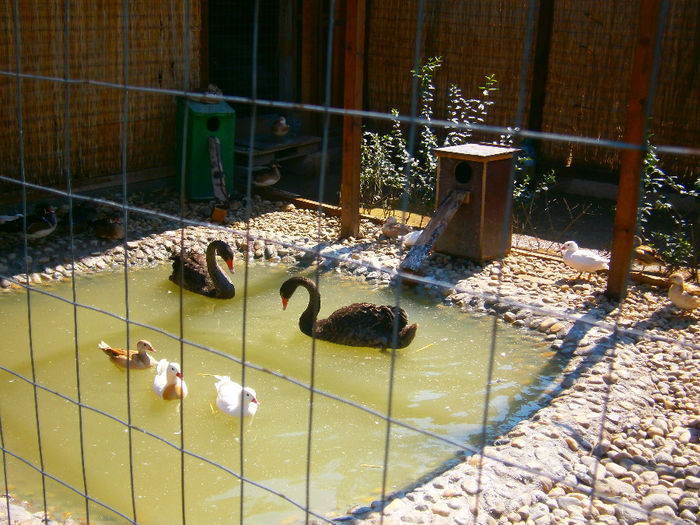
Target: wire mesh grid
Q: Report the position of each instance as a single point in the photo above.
(618, 335)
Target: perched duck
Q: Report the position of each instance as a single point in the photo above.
(682, 295)
(358, 324)
(41, 226)
(168, 383)
(583, 261)
(110, 228)
(197, 273)
(646, 255)
(135, 359)
(267, 177)
(230, 394)
(280, 127)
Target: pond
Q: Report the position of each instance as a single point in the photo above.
(439, 386)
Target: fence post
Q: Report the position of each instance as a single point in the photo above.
(352, 126)
(631, 159)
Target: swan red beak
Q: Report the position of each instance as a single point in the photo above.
(284, 303)
(229, 263)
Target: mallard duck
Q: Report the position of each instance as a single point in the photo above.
(197, 273)
(280, 127)
(168, 383)
(683, 295)
(646, 255)
(138, 358)
(110, 228)
(583, 261)
(358, 324)
(229, 395)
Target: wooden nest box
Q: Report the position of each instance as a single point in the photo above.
(481, 227)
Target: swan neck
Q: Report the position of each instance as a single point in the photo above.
(308, 317)
(221, 282)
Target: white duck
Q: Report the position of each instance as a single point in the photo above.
(168, 383)
(411, 237)
(229, 396)
(682, 295)
(583, 261)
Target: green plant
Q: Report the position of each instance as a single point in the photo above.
(665, 225)
(388, 168)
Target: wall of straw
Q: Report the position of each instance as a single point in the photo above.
(156, 59)
(587, 87)
(589, 67)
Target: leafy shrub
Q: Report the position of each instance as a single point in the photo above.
(670, 230)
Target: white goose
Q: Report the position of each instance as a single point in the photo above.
(682, 295)
(583, 261)
(168, 383)
(229, 396)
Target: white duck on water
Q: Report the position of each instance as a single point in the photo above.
(234, 400)
(168, 383)
(583, 261)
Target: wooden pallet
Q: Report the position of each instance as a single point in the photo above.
(269, 148)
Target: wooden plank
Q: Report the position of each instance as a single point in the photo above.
(433, 230)
(352, 126)
(273, 194)
(631, 160)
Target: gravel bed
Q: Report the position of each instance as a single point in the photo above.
(642, 380)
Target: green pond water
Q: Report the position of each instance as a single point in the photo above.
(439, 386)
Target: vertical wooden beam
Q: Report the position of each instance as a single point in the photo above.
(352, 126)
(631, 160)
(203, 43)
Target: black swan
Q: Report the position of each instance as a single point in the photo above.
(358, 324)
(202, 275)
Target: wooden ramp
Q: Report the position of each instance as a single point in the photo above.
(447, 208)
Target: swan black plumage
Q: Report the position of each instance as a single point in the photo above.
(358, 324)
(197, 273)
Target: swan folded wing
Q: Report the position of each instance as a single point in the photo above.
(191, 272)
(362, 324)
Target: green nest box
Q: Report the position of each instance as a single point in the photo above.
(196, 122)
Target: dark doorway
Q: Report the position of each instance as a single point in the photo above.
(231, 25)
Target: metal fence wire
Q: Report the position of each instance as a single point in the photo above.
(620, 335)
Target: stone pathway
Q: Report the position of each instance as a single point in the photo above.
(624, 417)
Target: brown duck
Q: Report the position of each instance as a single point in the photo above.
(646, 255)
(358, 324)
(138, 358)
(200, 274)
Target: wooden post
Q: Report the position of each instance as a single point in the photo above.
(352, 126)
(631, 160)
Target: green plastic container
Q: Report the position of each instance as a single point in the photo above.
(203, 121)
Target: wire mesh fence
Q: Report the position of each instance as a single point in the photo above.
(584, 449)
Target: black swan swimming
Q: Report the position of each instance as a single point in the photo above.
(197, 273)
(358, 324)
